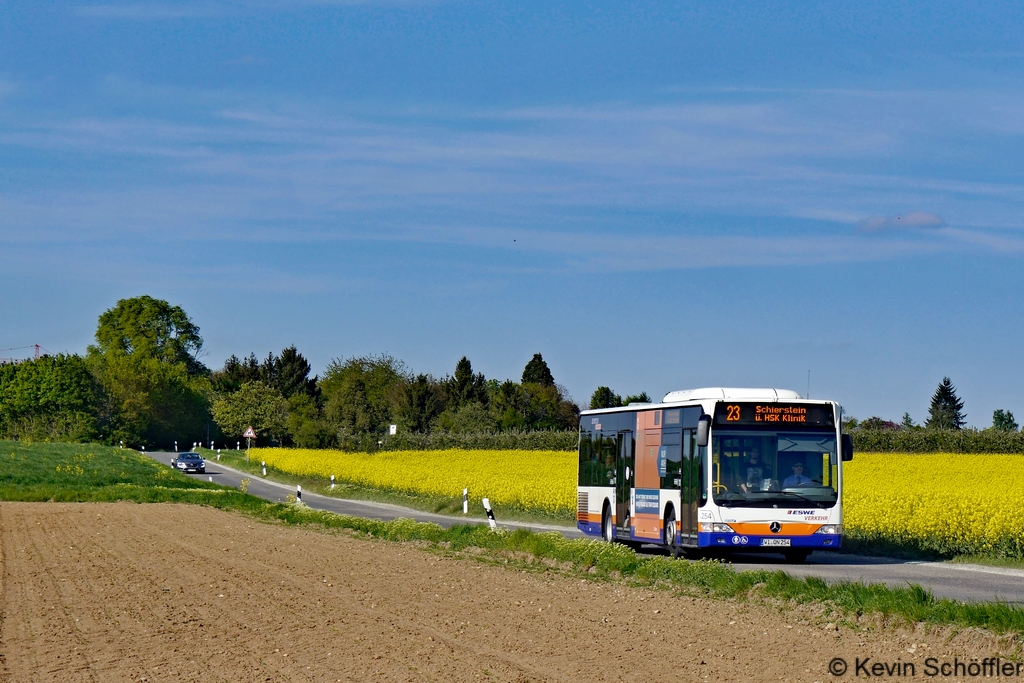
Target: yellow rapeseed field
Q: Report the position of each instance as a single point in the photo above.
(538, 480)
(948, 502)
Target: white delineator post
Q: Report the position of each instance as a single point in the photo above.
(332, 482)
(218, 455)
(465, 501)
(298, 493)
(264, 469)
(490, 515)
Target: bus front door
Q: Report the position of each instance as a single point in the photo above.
(690, 485)
(624, 477)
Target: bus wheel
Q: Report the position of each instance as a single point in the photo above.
(607, 528)
(670, 533)
(797, 556)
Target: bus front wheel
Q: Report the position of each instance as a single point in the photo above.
(797, 556)
(607, 528)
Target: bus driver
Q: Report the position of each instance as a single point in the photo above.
(797, 478)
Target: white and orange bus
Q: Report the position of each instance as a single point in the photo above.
(715, 469)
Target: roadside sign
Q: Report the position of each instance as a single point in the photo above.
(249, 433)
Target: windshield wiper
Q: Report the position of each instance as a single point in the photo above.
(815, 503)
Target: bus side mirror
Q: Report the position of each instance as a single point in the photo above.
(847, 448)
(703, 429)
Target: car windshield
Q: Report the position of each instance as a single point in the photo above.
(774, 469)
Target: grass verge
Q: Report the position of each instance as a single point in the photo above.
(65, 472)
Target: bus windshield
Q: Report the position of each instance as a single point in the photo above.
(774, 469)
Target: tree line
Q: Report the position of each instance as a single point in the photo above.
(945, 412)
(142, 384)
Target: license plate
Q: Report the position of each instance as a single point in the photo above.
(776, 542)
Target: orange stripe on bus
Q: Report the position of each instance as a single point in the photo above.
(761, 529)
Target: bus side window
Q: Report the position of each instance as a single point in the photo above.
(588, 459)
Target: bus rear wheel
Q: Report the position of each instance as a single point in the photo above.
(607, 528)
(670, 533)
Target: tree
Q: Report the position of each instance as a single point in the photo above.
(875, 422)
(1002, 420)
(466, 387)
(154, 388)
(150, 402)
(290, 374)
(235, 373)
(470, 418)
(549, 408)
(604, 397)
(422, 400)
(537, 372)
(362, 395)
(53, 398)
(256, 405)
(642, 397)
(510, 405)
(532, 406)
(145, 327)
(306, 425)
(946, 410)
(907, 422)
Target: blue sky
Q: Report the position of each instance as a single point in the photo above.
(655, 195)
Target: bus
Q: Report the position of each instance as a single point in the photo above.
(715, 470)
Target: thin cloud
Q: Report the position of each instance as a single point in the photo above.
(221, 8)
(998, 243)
(151, 11)
(911, 220)
(295, 171)
(245, 60)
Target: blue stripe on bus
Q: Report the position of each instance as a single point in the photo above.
(725, 541)
(749, 542)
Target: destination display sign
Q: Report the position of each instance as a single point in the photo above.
(785, 415)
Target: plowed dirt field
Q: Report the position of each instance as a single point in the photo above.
(127, 592)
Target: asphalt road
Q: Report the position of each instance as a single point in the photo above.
(965, 582)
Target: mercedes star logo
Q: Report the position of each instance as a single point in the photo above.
(775, 527)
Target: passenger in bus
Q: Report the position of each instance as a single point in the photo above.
(797, 478)
(752, 472)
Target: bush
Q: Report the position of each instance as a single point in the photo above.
(553, 440)
(917, 440)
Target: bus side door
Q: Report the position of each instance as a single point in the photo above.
(690, 485)
(625, 473)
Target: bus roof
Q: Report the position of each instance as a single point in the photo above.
(708, 394)
(730, 394)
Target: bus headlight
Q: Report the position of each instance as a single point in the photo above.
(834, 529)
(716, 528)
